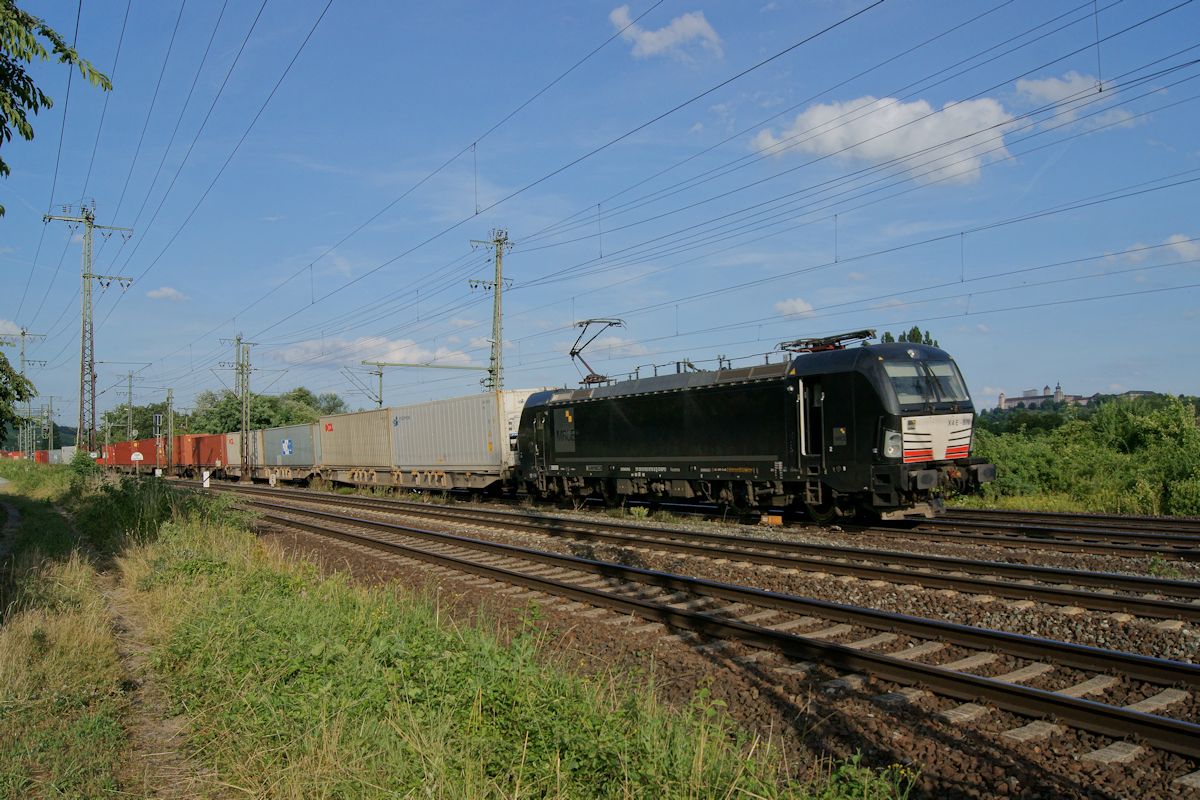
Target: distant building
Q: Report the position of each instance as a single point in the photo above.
(1031, 399)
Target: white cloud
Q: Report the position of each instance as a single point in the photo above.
(616, 346)
(951, 143)
(1116, 117)
(1136, 254)
(857, 276)
(696, 128)
(1181, 247)
(983, 328)
(7, 326)
(339, 351)
(463, 323)
(1065, 92)
(341, 264)
(1116, 387)
(794, 305)
(1068, 95)
(274, 218)
(166, 293)
(479, 342)
(669, 39)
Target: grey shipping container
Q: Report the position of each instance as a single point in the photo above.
(361, 439)
(461, 434)
(291, 446)
(56, 457)
(68, 453)
(233, 449)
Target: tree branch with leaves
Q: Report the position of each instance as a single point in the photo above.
(14, 388)
(23, 40)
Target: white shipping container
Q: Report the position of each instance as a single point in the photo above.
(461, 434)
(68, 453)
(361, 439)
(233, 449)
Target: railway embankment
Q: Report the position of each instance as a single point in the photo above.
(152, 645)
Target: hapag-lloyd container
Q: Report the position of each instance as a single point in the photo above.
(291, 446)
(461, 434)
(361, 439)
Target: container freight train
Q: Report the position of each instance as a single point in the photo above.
(884, 429)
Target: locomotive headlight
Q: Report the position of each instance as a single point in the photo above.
(893, 444)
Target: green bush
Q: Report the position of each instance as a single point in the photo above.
(1135, 457)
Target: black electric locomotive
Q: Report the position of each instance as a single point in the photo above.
(881, 428)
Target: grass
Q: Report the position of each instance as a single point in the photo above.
(1026, 502)
(61, 693)
(297, 685)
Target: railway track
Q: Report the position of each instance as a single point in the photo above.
(1142, 596)
(1189, 526)
(1095, 534)
(797, 633)
(1081, 537)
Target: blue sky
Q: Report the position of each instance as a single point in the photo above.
(982, 169)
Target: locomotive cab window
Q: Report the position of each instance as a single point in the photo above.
(947, 381)
(923, 382)
(909, 381)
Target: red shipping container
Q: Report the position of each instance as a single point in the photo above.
(116, 454)
(200, 450)
(185, 450)
(41, 456)
(149, 450)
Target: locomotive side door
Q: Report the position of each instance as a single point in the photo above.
(812, 427)
(541, 442)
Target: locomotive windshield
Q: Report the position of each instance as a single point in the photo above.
(920, 382)
(947, 381)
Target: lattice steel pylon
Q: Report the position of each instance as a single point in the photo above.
(86, 431)
(499, 241)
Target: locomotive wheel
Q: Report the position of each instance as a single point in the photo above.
(823, 513)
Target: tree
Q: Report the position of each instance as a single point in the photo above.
(221, 412)
(914, 335)
(14, 388)
(20, 43)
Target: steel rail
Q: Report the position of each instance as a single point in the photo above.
(1041, 531)
(717, 545)
(1071, 519)
(1139, 667)
(1040, 543)
(1169, 734)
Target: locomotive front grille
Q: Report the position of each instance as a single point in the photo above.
(937, 437)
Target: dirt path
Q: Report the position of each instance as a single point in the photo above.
(157, 764)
